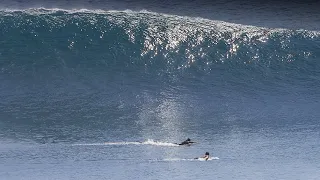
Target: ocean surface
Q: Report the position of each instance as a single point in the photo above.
(105, 89)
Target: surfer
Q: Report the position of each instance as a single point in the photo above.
(186, 142)
(205, 157)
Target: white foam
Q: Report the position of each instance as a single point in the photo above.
(147, 142)
(158, 143)
(187, 159)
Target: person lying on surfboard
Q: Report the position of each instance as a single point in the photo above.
(186, 142)
(205, 157)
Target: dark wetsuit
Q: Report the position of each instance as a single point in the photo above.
(185, 143)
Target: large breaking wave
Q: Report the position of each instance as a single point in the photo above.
(37, 39)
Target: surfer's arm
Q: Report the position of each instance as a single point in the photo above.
(205, 157)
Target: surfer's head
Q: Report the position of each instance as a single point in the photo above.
(207, 153)
(188, 139)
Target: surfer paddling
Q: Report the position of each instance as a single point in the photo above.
(205, 157)
(186, 142)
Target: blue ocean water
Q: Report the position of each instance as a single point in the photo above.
(105, 92)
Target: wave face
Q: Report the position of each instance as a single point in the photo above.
(40, 39)
(145, 70)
